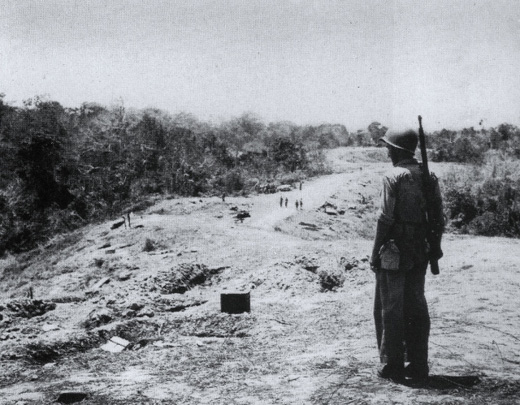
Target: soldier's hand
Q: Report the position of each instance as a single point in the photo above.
(375, 264)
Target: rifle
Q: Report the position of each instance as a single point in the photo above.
(434, 233)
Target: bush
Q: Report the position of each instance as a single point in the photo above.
(233, 181)
(462, 150)
(486, 205)
(461, 206)
(149, 245)
(331, 280)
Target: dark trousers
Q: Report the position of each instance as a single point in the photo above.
(401, 317)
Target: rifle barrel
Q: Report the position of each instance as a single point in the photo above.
(434, 264)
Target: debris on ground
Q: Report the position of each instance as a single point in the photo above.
(329, 208)
(220, 325)
(49, 327)
(182, 278)
(29, 308)
(242, 214)
(115, 345)
(118, 224)
(99, 284)
(173, 304)
(48, 352)
(97, 318)
(310, 227)
(348, 264)
(307, 263)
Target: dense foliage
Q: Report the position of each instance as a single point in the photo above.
(484, 200)
(62, 167)
(471, 146)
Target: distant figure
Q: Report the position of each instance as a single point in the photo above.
(286, 201)
(297, 204)
(224, 197)
(301, 184)
(281, 202)
(301, 204)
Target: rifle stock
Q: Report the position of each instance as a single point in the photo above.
(432, 236)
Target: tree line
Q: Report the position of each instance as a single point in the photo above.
(470, 146)
(64, 167)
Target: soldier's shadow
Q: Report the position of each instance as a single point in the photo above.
(443, 382)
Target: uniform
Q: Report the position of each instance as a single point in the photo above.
(400, 310)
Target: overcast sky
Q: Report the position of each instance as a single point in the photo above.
(348, 62)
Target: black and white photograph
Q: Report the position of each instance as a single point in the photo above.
(256, 202)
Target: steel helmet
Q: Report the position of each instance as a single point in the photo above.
(405, 140)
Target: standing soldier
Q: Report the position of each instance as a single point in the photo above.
(296, 204)
(400, 259)
(281, 201)
(301, 204)
(286, 201)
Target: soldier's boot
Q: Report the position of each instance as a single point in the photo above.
(417, 371)
(394, 372)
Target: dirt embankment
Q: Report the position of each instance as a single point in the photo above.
(132, 316)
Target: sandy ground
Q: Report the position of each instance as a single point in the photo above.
(300, 344)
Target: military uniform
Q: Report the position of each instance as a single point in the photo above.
(400, 310)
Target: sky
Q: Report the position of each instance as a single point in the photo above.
(455, 62)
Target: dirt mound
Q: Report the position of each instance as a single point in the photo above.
(97, 318)
(182, 278)
(174, 304)
(214, 325)
(29, 308)
(48, 352)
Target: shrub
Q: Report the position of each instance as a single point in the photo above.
(462, 150)
(486, 205)
(149, 245)
(331, 280)
(233, 181)
(461, 206)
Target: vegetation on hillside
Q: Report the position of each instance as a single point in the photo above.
(485, 199)
(470, 145)
(64, 167)
(483, 195)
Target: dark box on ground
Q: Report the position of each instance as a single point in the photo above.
(235, 303)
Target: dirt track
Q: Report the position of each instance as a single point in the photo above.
(299, 345)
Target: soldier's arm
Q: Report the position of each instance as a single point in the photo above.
(385, 220)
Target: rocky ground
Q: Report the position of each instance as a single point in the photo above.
(132, 315)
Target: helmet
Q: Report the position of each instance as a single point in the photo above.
(405, 140)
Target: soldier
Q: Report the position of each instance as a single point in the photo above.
(286, 201)
(281, 201)
(301, 204)
(296, 204)
(400, 259)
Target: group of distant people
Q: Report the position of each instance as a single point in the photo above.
(285, 201)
